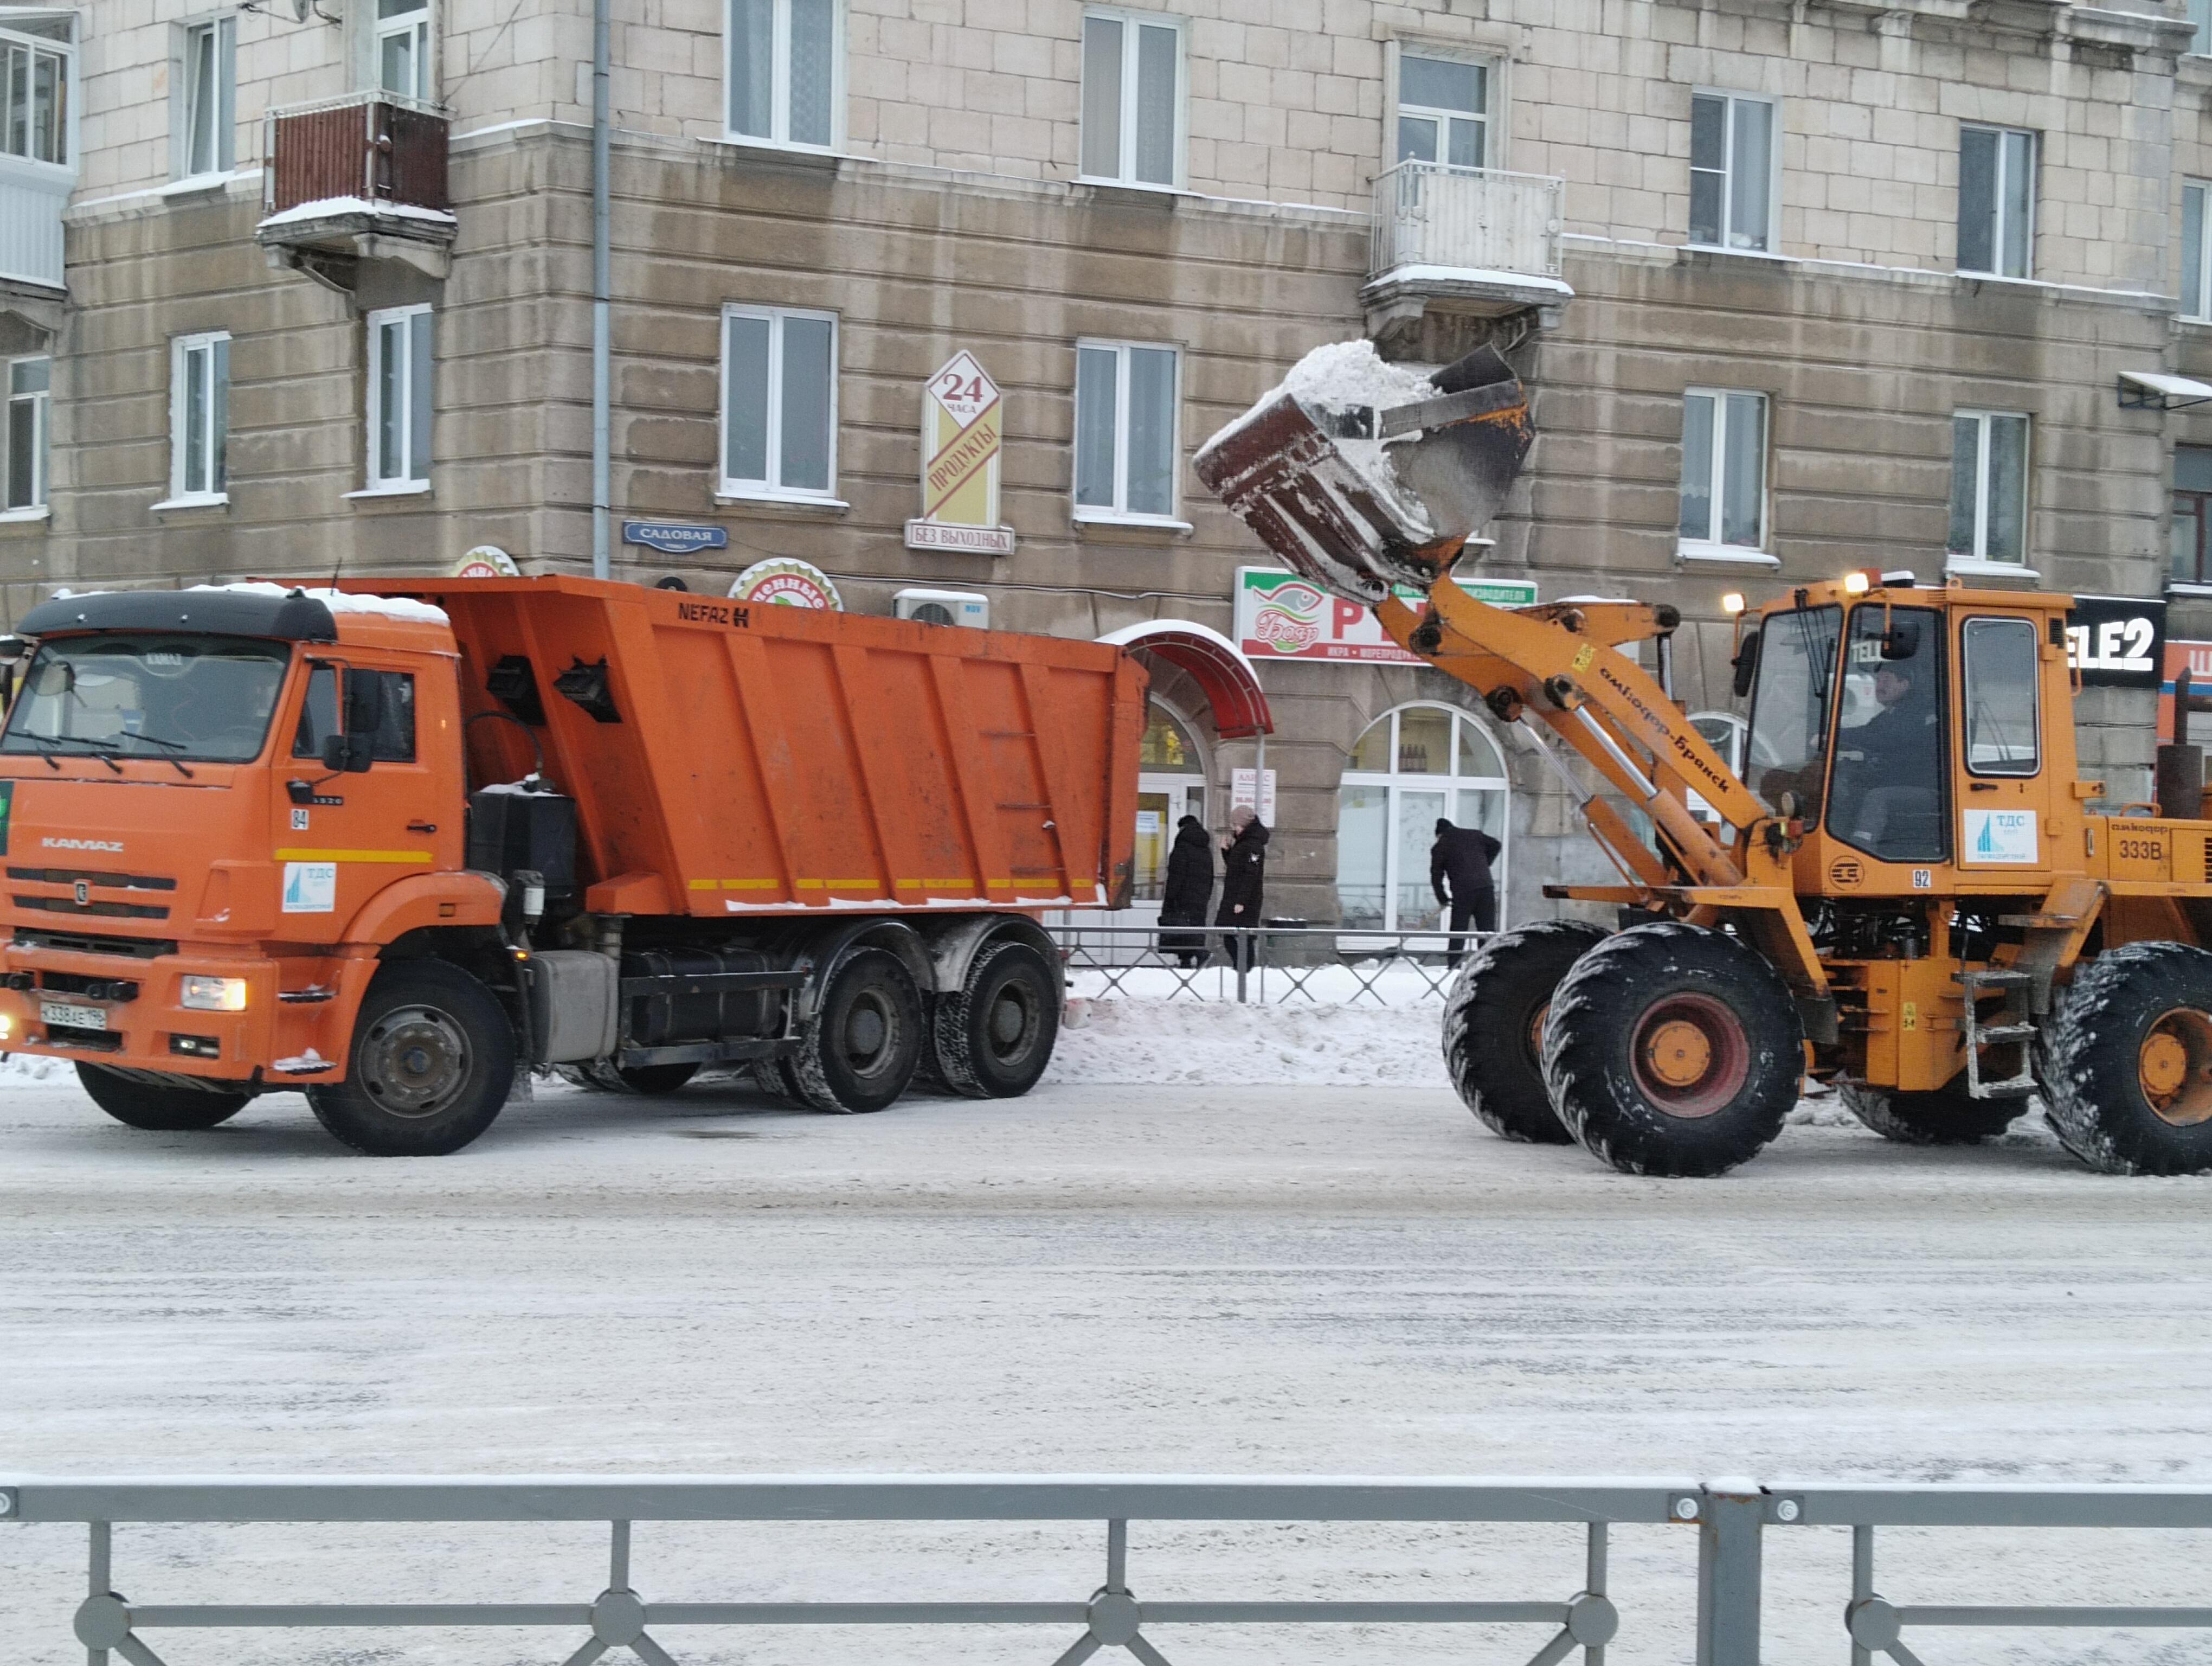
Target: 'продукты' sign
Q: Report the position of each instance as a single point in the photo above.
(1279, 615)
(961, 423)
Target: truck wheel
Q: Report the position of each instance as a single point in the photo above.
(2125, 1063)
(996, 1035)
(432, 1062)
(607, 1077)
(1671, 1049)
(1948, 1116)
(1494, 1027)
(859, 1053)
(157, 1108)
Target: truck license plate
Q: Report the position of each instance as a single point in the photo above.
(72, 1016)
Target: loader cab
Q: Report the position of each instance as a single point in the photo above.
(1904, 727)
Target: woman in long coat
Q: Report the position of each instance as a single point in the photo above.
(1189, 888)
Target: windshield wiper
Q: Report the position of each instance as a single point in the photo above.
(169, 758)
(105, 750)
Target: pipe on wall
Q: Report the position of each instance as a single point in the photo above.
(602, 493)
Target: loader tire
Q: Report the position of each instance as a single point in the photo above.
(994, 1036)
(1948, 1116)
(1672, 1049)
(155, 1107)
(861, 1050)
(1494, 1027)
(2125, 1061)
(431, 1064)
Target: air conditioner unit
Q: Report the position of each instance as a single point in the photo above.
(952, 607)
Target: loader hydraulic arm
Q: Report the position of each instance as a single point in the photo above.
(1559, 664)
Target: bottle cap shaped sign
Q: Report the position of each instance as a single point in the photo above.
(784, 582)
(961, 423)
(487, 561)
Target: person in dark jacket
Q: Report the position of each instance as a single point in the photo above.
(1458, 873)
(1244, 866)
(1189, 888)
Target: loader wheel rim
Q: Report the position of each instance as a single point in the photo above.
(1690, 1054)
(414, 1061)
(2173, 1067)
(1535, 1036)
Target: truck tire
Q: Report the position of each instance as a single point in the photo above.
(154, 1107)
(994, 1035)
(1494, 1027)
(1673, 1050)
(2126, 1062)
(431, 1065)
(860, 1052)
(607, 1077)
(1948, 1116)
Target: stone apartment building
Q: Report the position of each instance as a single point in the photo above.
(305, 286)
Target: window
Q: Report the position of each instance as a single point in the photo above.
(148, 696)
(786, 72)
(394, 741)
(35, 90)
(1788, 746)
(1996, 201)
(1132, 97)
(1988, 486)
(2190, 548)
(1889, 787)
(1731, 172)
(1124, 431)
(27, 380)
(2200, 19)
(2196, 270)
(1412, 768)
(1171, 785)
(1725, 469)
(779, 403)
(399, 399)
(403, 47)
(204, 111)
(1443, 111)
(2000, 688)
(199, 415)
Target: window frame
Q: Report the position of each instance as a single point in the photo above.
(372, 403)
(216, 442)
(1493, 130)
(1967, 631)
(66, 128)
(1120, 515)
(1997, 207)
(41, 404)
(1131, 20)
(420, 23)
(778, 137)
(2200, 505)
(2196, 308)
(1730, 98)
(222, 30)
(1711, 545)
(772, 490)
(2200, 15)
(1984, 452)
(1393, 781)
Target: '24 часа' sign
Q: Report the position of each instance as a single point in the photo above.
(2116, 642)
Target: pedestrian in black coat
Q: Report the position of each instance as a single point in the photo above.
(1461, 859)
(1189, 888)
(1244, 868)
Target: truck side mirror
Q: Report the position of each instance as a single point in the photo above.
(1901, 641)
(364, 702)
(347, 754)
(1746, 664)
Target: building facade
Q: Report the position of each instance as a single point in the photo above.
(1797, 285)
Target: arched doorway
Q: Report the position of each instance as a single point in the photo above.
(1171, 785)
(1411, 766)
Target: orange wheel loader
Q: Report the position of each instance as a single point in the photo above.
(394, 844)
(1905, 896)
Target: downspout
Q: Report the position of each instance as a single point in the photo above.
(602, 494)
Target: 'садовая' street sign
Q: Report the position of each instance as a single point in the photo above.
(961, 413)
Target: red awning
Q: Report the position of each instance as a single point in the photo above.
(1232, 687)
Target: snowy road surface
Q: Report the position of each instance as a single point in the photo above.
(1099, 1277)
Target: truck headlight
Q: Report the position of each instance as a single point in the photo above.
(216, 994)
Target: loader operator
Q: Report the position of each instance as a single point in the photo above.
(1887, 798)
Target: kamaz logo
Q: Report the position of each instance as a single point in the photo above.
(81, 844)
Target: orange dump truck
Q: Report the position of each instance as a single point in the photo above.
(394, 843)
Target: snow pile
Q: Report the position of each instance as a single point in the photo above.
(325, 208)
(339, 601)
(17, 1069)
(1222, 1044)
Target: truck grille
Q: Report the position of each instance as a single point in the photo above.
(98, 1041)
(69, 876)
(139, 948)
(110, 910)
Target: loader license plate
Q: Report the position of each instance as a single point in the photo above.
(71, 1016)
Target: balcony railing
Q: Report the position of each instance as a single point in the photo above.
(1468, 221)
(32, 197)
(380, 150)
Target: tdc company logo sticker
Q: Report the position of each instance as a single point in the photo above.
(311, 887)
(2001, 836)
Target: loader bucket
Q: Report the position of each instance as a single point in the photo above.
(1358, 499)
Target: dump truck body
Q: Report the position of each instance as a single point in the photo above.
(653, 831)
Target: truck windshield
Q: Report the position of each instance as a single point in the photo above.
(1790, 707)
(186, 697)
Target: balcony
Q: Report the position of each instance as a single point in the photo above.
(1474, 241)
(356, 180)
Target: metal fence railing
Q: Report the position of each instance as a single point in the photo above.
(1481, 219)
(1262, 964)
(1731, 1520)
